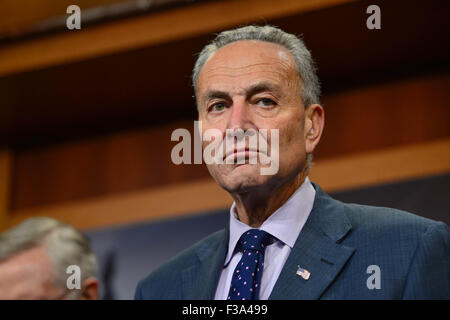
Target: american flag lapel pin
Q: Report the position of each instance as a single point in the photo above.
(303, 273)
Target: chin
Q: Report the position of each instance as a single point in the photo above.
(242, 178)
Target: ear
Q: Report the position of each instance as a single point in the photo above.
(89, 289)
(314, 123)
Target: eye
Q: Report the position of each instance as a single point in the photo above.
(217, 107)
(266, 102)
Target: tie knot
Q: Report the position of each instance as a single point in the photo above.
(255, 239)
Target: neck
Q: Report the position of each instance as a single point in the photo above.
(254, 207)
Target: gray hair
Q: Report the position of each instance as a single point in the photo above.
(65, 246)
(305, 65)
(306, 68)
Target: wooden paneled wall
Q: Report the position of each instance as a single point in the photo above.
(19, 16)
(394, 124)
(361, 119)
(385, 114)
(195, 197)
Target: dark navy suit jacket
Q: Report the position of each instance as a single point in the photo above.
(336, 245)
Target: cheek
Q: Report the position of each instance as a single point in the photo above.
(291, 134)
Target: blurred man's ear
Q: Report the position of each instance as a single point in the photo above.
(90, 289)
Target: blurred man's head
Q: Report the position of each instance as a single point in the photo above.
(34, 257)
(255, 78)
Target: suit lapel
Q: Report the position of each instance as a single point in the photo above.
(317, 250)
(199, 281)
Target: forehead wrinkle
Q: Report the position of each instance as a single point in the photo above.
(251, 89)
(253, 64)
(282, 53)
(275, 65)
(270, 74)
(282, 58)
(273, 77)
(285, 66)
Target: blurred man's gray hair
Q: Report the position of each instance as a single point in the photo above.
(306, 68)
(65, 246)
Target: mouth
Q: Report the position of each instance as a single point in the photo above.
(241, 153)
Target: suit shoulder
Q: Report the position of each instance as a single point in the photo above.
(169, 272)
(382, 220)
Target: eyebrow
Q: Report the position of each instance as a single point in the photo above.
(217, 94)
(261, 87)
(250, 91)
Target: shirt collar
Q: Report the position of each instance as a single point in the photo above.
(285, 224)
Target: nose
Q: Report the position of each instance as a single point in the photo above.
(240, 117)
(239, 125)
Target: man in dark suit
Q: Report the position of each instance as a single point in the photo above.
(286, 238)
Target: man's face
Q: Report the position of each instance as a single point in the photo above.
(253, 85)
(27, 275)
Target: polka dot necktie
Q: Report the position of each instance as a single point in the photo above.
(246, 279)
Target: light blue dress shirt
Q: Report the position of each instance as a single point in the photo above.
(284, 224)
